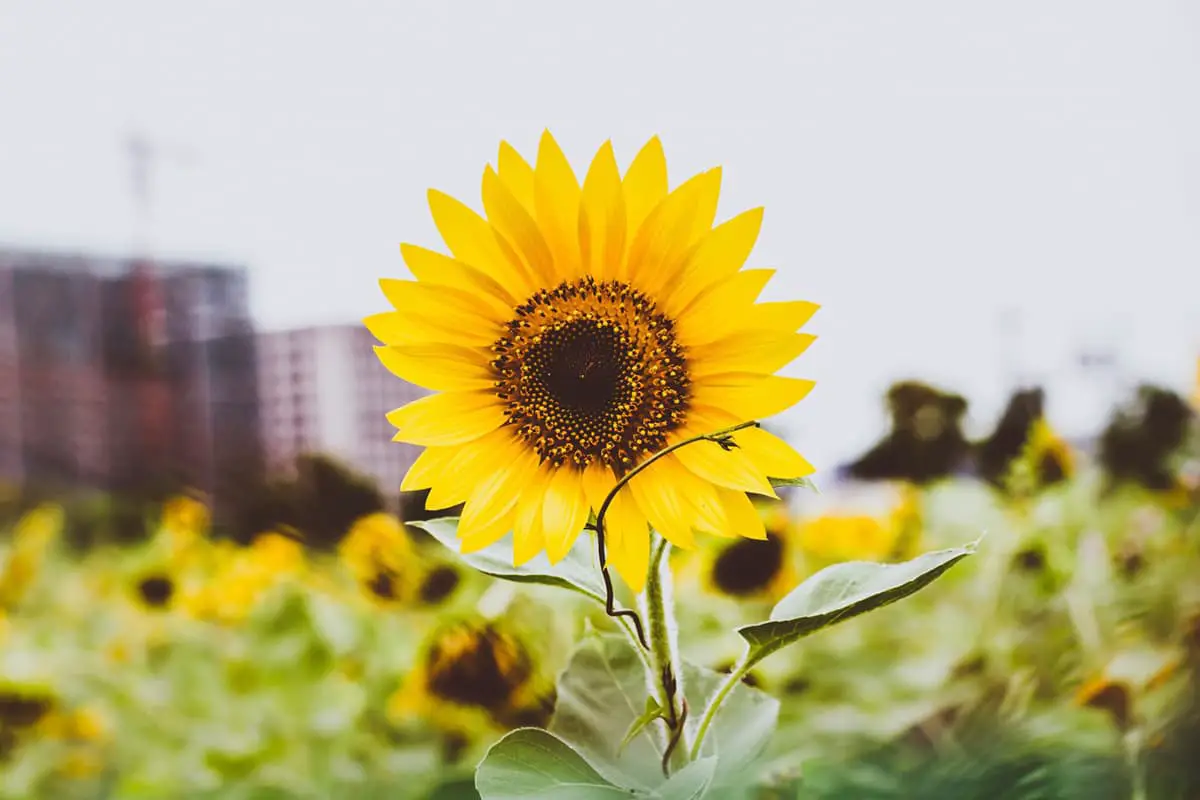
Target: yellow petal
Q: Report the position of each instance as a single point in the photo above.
(512, 220)
(786, 316)
(394, 328)
(456, 307)
(627, 540)
(427, 469)
(517, 175)
(663, 506)
(564, 512)
(719, 254)
(644, 185)
(705, 511)
(749, 396)
(447, 419)
(428, 266)
(602, 217)
(528, 537)
(598, 481)
(472, 241)
(441, 367)
(744, 519)
(724, 308)
(556, 197)
(771, 455)
(758, 351)
(469, 465)
(658, 252)
(728, 468)
(493, 499)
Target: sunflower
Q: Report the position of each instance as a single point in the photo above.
(244, 576)
(380, 556)
(471, 676)
(32, 538)
(1049, 454)
(574, 332)
(832, 538)
(748, 569)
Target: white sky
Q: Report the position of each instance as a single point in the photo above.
(924, 165)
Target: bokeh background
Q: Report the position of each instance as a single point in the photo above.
(208, 583)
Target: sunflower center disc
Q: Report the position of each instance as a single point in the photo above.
(748, 566)
(591, 372)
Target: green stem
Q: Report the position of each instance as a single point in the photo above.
(665, 669)
(724, 438)
(710, 713)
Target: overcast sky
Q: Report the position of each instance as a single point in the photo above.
(925, 166)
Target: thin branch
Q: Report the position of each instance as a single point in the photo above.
(722, 437)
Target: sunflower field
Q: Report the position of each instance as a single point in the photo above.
(1061, 660)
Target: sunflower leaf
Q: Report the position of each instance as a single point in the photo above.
(803, 483)
(577, 571)
(531, 762)
(842, 591)
(652, 712)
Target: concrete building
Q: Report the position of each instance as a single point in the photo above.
(124, 375)
(323, 390)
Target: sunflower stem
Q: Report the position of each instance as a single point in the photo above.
(724, 438)
(714, 705)
(665, 676)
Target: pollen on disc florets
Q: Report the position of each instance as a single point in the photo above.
(591, 371)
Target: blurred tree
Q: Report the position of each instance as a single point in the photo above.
(1141, 438)
(322, 500)
(926, 441)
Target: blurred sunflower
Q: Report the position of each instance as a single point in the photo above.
(833, 538)
(747, 569)
(1126, 681)
(32, 537)
(472, 676)
(155, 590)
(244, 576)
(183, 525)
(573, 333)
(24, 705)
(380, 556)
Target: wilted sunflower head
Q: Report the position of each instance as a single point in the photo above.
(573, 332)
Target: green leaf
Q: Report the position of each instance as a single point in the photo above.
(842, 591)
(652, 712)
(530, 762)
(804, 483)
(692, 782)
(577, 571)
(598, 700)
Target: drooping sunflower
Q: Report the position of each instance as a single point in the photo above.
(573, 332)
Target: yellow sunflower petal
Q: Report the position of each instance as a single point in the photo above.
(658, 252)
(564, 512)
(644, 185)
(771, 455)
(786, 316)
(512, 220)
(473, 241)
(602, 216)
(528, 536)
(428, 469)
(556, 196)
(394, 328)
(698, 494)
(749, 396)
(447, 419)
(468, 465)
(627, 540)
(728, 468)
(456, 307)
(719, 254)
(517, 175)
(744, 519)
(441, 367)
(662, 504)
(724, 308)
(428, 266)
(758, 351)
(488, 513)
(598, 481)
